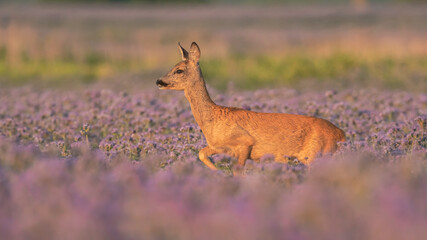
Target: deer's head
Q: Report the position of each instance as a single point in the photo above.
(184, 72)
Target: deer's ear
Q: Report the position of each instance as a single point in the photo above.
(184, 53)
(194, 52)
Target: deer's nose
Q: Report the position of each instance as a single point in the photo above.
(160, 83)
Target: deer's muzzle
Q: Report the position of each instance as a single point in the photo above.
(160, 83)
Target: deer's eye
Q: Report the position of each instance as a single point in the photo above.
(179, 71)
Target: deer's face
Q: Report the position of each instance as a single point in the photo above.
(176, 78)
(181, 75)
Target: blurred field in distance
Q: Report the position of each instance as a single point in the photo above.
(381, 46)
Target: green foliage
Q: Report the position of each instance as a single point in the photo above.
(244, 71)
(2, 53)
(337, 70)
(59, 72)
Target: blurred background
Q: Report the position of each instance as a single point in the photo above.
(246, 44)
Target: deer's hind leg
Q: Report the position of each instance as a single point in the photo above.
(311, 150)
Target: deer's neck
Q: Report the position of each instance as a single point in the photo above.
(200, 101)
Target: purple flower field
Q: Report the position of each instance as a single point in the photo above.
(101, 164)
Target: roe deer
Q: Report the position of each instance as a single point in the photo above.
(246, 134)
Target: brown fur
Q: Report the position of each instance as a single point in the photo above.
(246, 134)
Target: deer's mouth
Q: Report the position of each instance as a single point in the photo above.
(161, 84)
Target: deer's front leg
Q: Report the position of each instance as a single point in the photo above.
(242, 153)
(243, 150)
(204, 155)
